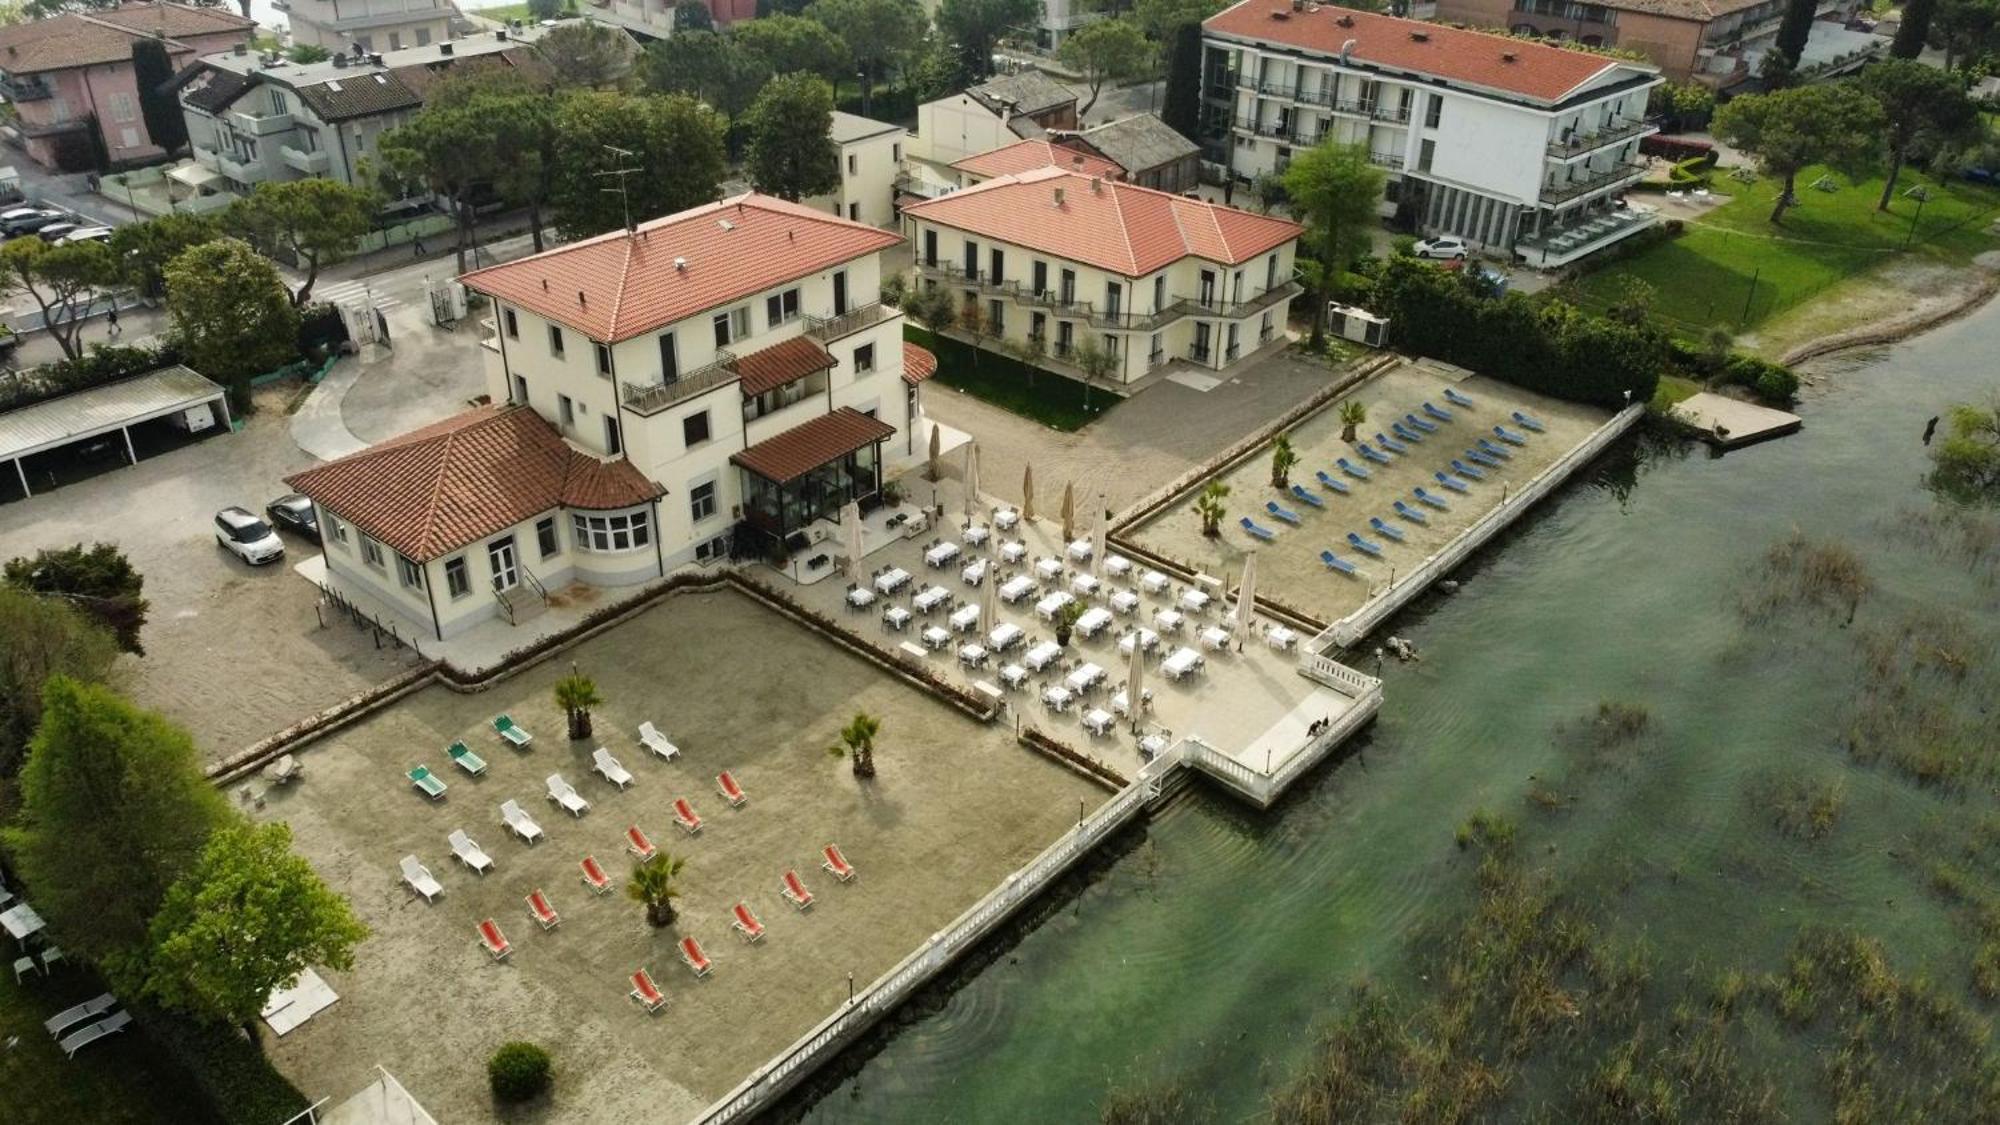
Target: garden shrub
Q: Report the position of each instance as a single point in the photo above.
(320, 326)
(519, 1072)
(239, 1082)
(1771, 382)
(1675, 148)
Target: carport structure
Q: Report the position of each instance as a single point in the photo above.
(114, 408)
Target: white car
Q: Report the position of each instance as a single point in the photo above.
(87, 234)
(247, 537)
(1442, 248)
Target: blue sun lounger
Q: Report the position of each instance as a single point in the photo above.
(1363, 545)
(1285, 514)
(1500, 451)
(1478, 458)
(1388, 444)
(1417, 423)
(1374, 454)
(1465, 470)
(1335, 562)
(1409, 513)
(1455, 398)
(1440, 415)
(1406, 433)
(1332, 484)
(1528, 422)
(1509, 436)
(1432, 499)
(1351, 469)
(1451, 482)
(1300, 494)
(1384, 529)
(1264, 533)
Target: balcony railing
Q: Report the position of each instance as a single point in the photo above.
(260, 124)
(244, 171)
(1200, 353)
(1324, 97)
(651, 398)
(1386, 159)
(311, 163)
(829, 328)
(1585, 143)
(1618, 173)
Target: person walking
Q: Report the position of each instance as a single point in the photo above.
(111, 319)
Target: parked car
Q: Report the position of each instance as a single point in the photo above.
(55, 231)
(88, 234)
(247, 537)
(28, 220)
(1443, 247)
(295, 514)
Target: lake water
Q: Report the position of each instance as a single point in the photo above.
(1211, 949)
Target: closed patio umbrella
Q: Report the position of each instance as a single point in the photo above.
(937, 451)
(850, 526)
(1135, 683)
(971, 478)
(989, 601)
(1069, 511)
(1028, 493)
(1246, 598)
(1097, 538)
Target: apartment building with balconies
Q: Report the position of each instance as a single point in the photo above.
(369, 26)
(1512, 145)
(1717, 42)
(1072, 259)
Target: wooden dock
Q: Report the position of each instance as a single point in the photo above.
(1728, 423)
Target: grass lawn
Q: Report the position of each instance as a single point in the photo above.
(1732, 268)
(1673, 389)
(1055, 401)
(123, 1078)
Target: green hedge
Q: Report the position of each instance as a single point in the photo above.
(102, 364)
(1054, 400)
(241, 1085)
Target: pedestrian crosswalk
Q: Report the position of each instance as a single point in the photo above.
(355, 293)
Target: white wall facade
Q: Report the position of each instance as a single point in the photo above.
(868, 171)
(376, 25)
(951, 129)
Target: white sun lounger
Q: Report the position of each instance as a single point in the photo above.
(523, 825)
(109, 1025)
(613, 772)
(651, 738)
(420, 879)
(565, 795)
(88, 1010)
(469, 852)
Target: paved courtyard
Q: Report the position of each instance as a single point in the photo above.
(1289, 570)
(956, 806)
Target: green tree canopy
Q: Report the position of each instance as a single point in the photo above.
(1922, 108)
(98, 580)
(249, 917)
(587, 56)
(937, 72)
(303, 53)
(314, 222)
(1334, 189)
(142, 250)
(40, 638)
(507, 123)
(977, 25)
(1181, 105)
(539, 10)
(787, 43)
(1106, 51)
(878, 34)
(1967, 461)
(1965, 29)
(1793, 29)
(1837, 125)
(114, 810)
(1914, 29)
(693, 15)
(676, 145)
(707, 65)
(1161, 19)
(230, 310)
(791, 154)
(63, 281)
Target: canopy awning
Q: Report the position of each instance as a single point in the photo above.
(918, 363)
(805, 447)
(195, 175)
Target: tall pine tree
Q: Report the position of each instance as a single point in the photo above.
(1182, 108)
(1914, 30)
(152, 69)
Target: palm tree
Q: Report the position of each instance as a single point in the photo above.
(652, 884)
(576, 694)
(857, 740)
(1352, 414)
(1283, 457)
(1209, 507)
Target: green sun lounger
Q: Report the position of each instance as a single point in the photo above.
(427, 783)
(467, 760)
(504, 726)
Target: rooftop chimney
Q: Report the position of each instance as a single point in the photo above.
(680, 265)
(1346, 48)
(1096, 186)
(1059, 197)
(240, 49)
(1420, 36)
(581, 299)
(545, 285)
(1508, 56)
(444, 50)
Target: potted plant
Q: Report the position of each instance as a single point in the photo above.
(1352, 414)
(1283, 458)
(892, 493)
(857, 742)
(652, 885)
(576, 694)
(1209, 507)
(1066, 619)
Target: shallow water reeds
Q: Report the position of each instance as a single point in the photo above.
(1821, 578)
(1802, 807)
(1168, 1102)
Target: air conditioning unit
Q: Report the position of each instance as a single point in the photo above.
(1356, 324)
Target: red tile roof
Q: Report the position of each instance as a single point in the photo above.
(918, 363)
(767, 369)
(809, 445)
(101, 37)
(1114, 226)
(1473, 58)
(1026, 156)
(436, 489)
(618, 285)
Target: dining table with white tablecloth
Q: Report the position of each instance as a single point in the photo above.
(1124, 601)
(1051, 604)
(964, 619)
(1004, 636)
(1013, 551)
(1057, 697)
(1117, 566)
(892, 580)
(1194, 601)
(1079, 550)
(972, 656)
(941, 554)
(1042, 655)
(931, 598)
(1180, 663)
(1013, 675)
(1048, 568)
(1085, 584)
(861, 597)
(975, 571)
(896, 617)
(934, 637)
(1097, 721)
(1093, 621)
(977, 534)
(1087, 675)
(1215, 637)
(1144, 638)
(1006, 518)
(1153, 582)
(1016, 588)
(1169, 620)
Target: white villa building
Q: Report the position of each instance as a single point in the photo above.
(713, 382)
(1510, 144)
(871, 157)
(1068, 257)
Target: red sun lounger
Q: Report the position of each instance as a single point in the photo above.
(646, 992)
(494, 941)
(638, 845)
(684, 815)
(538, 905)
(594, 876)
(731, 791)
(795, 890)
(748, 925)
(837, 863)
(695, 958)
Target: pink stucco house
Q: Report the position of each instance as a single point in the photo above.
(64, 72)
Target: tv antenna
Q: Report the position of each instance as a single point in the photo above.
(624, 201)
